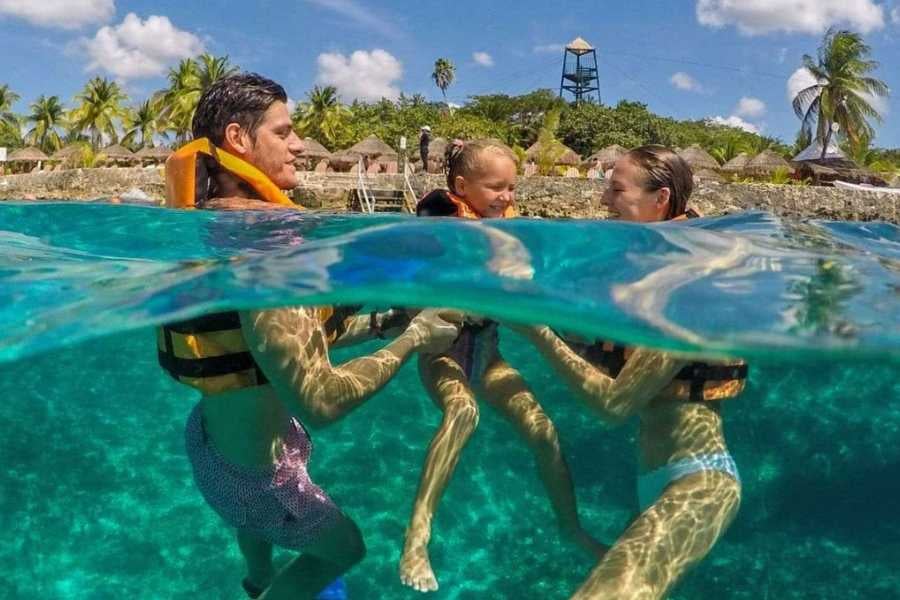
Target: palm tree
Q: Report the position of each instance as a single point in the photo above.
(47, 114)
(843, 90)
(322, 116)
(213, 68)
(100, 111)
(443, 75)
(7, 98)
(143, 123)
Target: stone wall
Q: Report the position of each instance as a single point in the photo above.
(546, 197)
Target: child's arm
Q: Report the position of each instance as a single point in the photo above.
(291, 347)
(366, 327)
(645, 375)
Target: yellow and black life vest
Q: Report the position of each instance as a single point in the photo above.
(209, 353)
(187, 181)
(698, 382)
(443, 203)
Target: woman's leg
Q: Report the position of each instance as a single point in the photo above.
(506, 390)
(667, 539)
(335, 552)
(446, 383)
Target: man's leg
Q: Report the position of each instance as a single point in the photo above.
(446, 383)
(338, 549)
(258, 557)
(507, 392)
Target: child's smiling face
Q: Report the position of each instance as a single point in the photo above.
(492, 189)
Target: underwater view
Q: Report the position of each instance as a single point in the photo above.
(98, 498)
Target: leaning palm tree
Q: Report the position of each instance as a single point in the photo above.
(322, 116)
(100, 111)
(443, 75)
(7, 98)
(843, 90)
(47, 115)
(143, 123)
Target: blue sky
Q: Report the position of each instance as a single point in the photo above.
(731, 59)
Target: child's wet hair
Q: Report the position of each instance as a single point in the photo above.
(464, 158)
(663, 168)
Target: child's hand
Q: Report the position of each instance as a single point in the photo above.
(435, 330)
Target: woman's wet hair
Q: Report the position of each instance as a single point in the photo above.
(243, 99)
(464, 159)
(664, 169)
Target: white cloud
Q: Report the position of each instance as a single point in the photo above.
(756, 17)
(484, 59)
(135, 49)
(895, 16)
(549, 49)
(735, 121)
(685, 82)
(67, 14)
(358, 14)
(752, 108)
(362, 75)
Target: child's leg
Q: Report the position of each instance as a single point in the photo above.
(335, 552)
(506, 391)
(671, 536)
(446, 383)
(258, 556)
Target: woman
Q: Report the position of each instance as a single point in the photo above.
(688, 485)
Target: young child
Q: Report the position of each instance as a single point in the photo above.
(481, 181)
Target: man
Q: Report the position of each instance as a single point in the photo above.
(256, 369)
(424, 141)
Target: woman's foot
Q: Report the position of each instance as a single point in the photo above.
(415, 567)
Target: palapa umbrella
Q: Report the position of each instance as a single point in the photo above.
(374, 148)
(607, 157)
(738, 163)
(27, 155)
(708, 175)
(313, 149)
(437, 147)
(71, 151)
(567, 157)
(698, 158)
(344, 160)
(158, 153)
(768, 162)
(118, 153)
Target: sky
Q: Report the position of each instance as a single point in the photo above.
(730, 60)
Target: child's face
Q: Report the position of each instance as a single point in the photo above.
(491, 191)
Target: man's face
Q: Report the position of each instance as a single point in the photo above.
(276, 146)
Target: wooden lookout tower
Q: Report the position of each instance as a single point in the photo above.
(579, 74)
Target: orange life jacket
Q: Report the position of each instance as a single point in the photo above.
(209, 353)
(443, 203)
(187, 182)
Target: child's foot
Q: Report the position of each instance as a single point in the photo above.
(253, 590)
(415, 568)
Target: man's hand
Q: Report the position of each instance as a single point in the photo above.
(435, 329)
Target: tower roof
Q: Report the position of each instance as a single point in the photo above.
(579, 45)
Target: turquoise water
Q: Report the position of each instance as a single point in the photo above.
(97, 499)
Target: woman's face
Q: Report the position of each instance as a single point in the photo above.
(627, 199)
(493, 189)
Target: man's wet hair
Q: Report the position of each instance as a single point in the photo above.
(243, 99)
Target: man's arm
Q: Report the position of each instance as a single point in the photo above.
(368, 326)
(290, 346)
(645, 375)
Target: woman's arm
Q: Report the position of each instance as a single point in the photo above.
(645, 375)
(290, 346)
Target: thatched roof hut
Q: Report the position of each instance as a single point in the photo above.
(826, 175)
(118, 153)
(607, 157)
(698, 158)
(313, 149)
(343, 160)
(768, 162)
(738, 163)
(27, 155)
(708, 176)
(567, 156)
(374, 148)
(72, 151)
(437, 147)
(155, 154)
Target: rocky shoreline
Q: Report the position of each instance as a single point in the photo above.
(545, 197)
